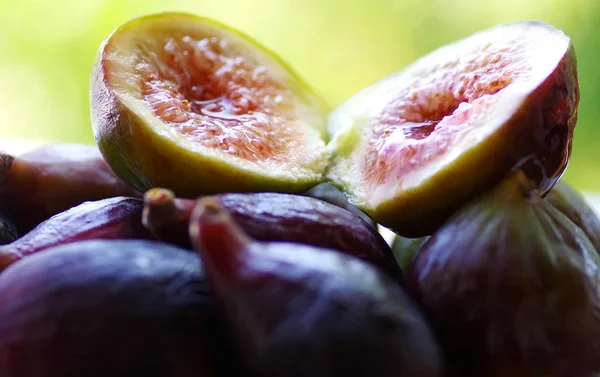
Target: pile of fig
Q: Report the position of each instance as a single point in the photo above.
(227, 221)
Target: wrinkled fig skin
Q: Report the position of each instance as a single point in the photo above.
(297, 310)
(275, 217)
(572, 204)
(510, 286)
(405, 249)
(113, 218)
(329, 193)
(118, 308)
(56, 177)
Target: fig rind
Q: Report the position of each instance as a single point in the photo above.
(572, 204)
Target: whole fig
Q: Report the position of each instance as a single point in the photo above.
(298, 310)
(113, 218)
(56, 177)
(511, 287)
(573, 205)
(275, 217)
(118, 308)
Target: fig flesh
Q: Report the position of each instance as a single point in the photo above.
(511, 287)
(274, 217)
(56, 177)
(186, 103)
(412, 148)
(113, 218)
(118, 308)
(573, 205)
(298, 310)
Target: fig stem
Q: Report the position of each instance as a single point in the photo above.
(159, 208)
(216, 236)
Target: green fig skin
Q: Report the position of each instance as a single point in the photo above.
(55, 177)
(511, 288)
(331, 194)
(118, 308)
(405, 249)
(113, 218)
(573, 205)
(298, 310)
(275, 217)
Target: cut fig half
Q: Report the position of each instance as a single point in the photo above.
(415, 146)
(186, 103)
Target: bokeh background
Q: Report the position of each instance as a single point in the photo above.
(338, 46)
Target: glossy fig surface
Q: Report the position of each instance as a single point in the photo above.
(572, 204)
(56, 177)
(417, 145)
(275, 217)
(113, 218)
(298, 310)
(118, 308)
(331, 194)
(511, 287)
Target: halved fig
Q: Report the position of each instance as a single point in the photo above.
(415, 146)
(186, 103)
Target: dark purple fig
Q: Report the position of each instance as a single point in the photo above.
(511, 287)
(405, 249)
(331, 194)
(8, 230)
(573, 205)
(56, 177)
(113, 218)
(298, 310)
(275, 217)
(118, 308)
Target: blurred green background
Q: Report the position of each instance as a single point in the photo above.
(339, 46)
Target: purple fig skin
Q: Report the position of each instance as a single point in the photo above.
(573, 205)
(511, 287)
(8, 230)
(330, 194)
(119, 308)
(275, 217)
(113, 218)
(56, 177)
(297, 310)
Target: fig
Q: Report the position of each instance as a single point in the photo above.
(405, 249)
(8, 229)
(331, 194)
(511, 287)
(417, 145)
(274, 217)
(109, 308)
(113, 218)
(573, 205)
(300, 310)
(186, 103)
(56, 177)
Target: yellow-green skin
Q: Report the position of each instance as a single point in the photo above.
(139, 154)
